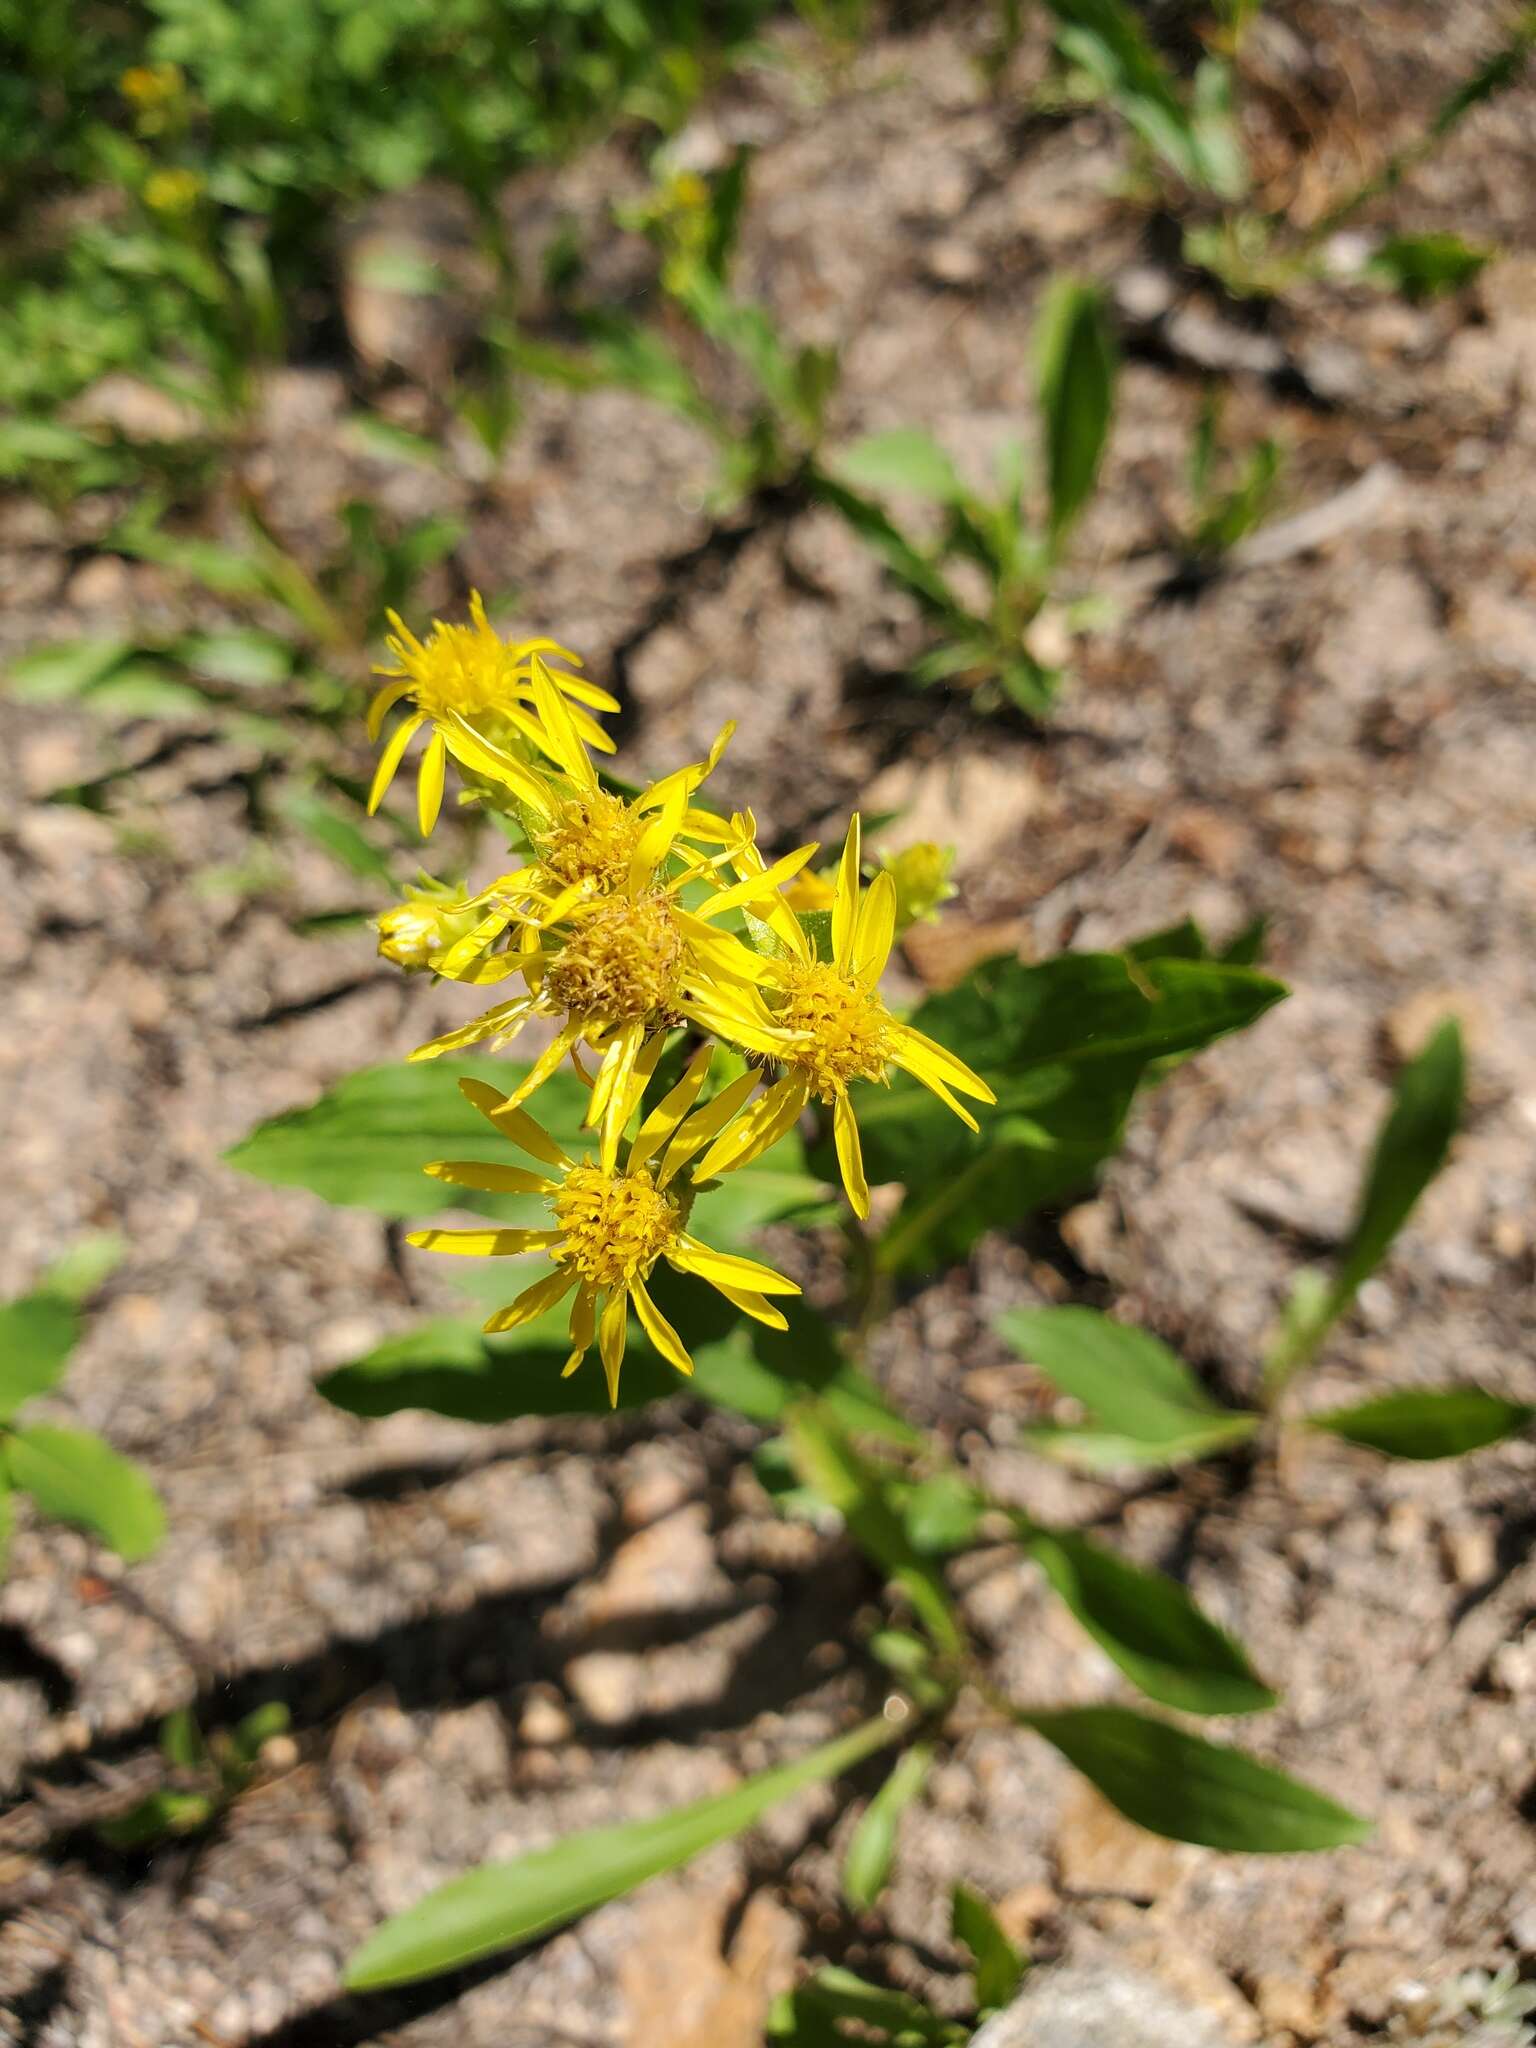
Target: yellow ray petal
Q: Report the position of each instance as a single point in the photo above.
(751, 1304)
(611, 1332)
(659, 1330)
(655, 842)
(875, 932)
(473, 750)
(690, 1256)
(922, 1056)
(533, 1301)
(670, 1111)
(494, 1180)
(525, 1131)
(384, 701)
(845, 908)
(560, 738)
(474, 942)
(429, 784)
(705, 1124)
(850, 1155)
(482, 1244)
(583, 1324)
(508, 1017)
(756, 1128)
(389, 760)
(757, 888)
(546, 1064)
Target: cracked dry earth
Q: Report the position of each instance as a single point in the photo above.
(487, 1638)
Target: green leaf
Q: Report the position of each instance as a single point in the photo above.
(78, 1272)
(159, 1815)
(1064, 1044)
(867, 1866)
(365, 1142)
(942, 1513)
(1075, 383)
(1434, 1422)
(241, 656)
(1131, 1384)
(1410, 1150)
(503, 1903)
(903, 459)
(999, 1967)
(341, 837)
(76, 1477)
(448, 1367)
(37, 1334)
(1090, 1449)
(863, 1495)
(811, 2017)
(1427, 266)
(1148, 1625)
(181, 1740)
(47, 675)
(7, 1515)
(1181, 1786)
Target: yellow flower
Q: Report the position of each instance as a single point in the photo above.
(921, 875)
(609, 1229)
(413, 934)
(172, 192)
(605, 944)
(836, 1030)
(475, 690)
(150, 85)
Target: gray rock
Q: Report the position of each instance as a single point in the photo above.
(1099, 2005)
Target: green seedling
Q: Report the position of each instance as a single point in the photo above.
(72, 1475)
(205, 1776)
(1231, 494)
(1015, 539)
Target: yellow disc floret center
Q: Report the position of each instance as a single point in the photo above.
(846, 1028)
(616, 1225)
(461, 668)
(622, 961)
(592, 839)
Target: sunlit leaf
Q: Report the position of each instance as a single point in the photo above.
(1179, 1785)
(1075, 375)
(504, 1903)
(867, 1865)
(1430, 1422)
(75, 1477)
(999, 1967)
(1148, 1624)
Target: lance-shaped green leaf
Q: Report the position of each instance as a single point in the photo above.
(1179, 1785)
(866, 1498)
(871, 1852)
(1148, 1625)
(812, 2016)
(1075, 382)
(1144, 1403)
(449, 1367)
(1429, 1422)
(502, 1904)
(75, 1477)
(999, 1967)
(902, 459)
(1410, 1150)
(37, 1334)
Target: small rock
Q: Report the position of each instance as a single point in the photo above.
(607, 1685)
(1089, 1232)
(1097, 1850)
(1470, 1553)
(137, 411)
(103, 583)
(953, 262)
(544, 1723)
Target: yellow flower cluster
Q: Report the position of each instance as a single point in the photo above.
(621, 929)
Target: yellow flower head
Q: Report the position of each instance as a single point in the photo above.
(173, 192)
(603, 941)
(477, 691)
(834, 1029)
(921, 875)
(415, 933)
(609, 1227)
